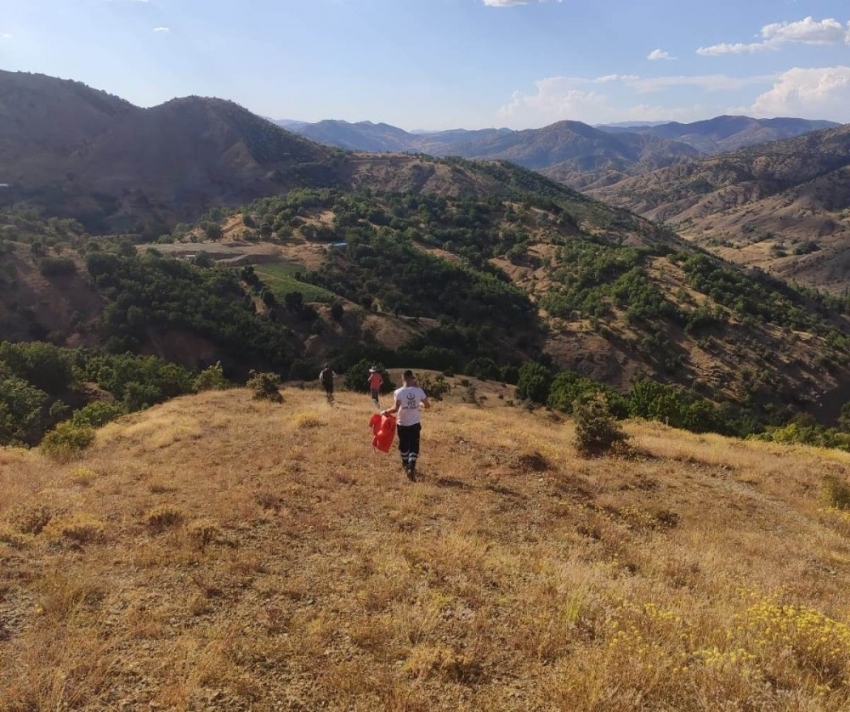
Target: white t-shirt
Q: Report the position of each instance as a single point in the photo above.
(410, 397)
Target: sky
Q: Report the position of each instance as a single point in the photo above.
(440, 64)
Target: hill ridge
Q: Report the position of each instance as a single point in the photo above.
(217, 551)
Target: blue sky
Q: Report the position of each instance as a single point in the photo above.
(435, 64)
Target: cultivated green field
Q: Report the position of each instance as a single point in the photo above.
(280, 277)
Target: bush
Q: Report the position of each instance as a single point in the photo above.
(435, 389)
(97, 414)
(837, 492)
(164, 516)
(304, 370)
(567, 388)
(357, 377)
(211, 379)
(337, 311)
(67, 441)
(56, 266)
(597, 431)
(483, 368)
(534, 383)
(265, 386)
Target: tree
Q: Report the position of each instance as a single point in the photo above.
(212, 230)
(294, 301)
(597, 431)
(535, 381)
(357, 377)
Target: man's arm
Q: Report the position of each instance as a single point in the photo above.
(393, 410)
(426, 403)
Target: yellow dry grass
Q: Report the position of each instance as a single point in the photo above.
(217, 552)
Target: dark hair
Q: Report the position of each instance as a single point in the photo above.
(407, 374)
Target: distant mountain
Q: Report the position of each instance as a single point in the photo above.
(630, 124)
(567, 149)
(783, 206)
(362, 136)
(571, 152)
(368, 136)
(563, 151)
(287, 124)
(726, 133)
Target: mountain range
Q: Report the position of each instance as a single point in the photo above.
(499, 262)
(120, 168)
(569, 151)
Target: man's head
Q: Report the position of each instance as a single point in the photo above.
(407, 377)
(326, 366)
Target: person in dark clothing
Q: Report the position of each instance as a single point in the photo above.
(408, 400)
(327, 377)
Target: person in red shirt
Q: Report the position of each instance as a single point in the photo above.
(375, 382)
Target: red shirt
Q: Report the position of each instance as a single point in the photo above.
(375, 381)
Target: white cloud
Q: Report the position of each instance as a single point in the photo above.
(657, 54)
(600, 100)
(809, 93)
(806, 31)
(162, 29)
(608, 78)
(5, 36)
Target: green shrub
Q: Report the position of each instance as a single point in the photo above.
(56, 266)
(597, 431)
(304, 370)
(265, 386)
(97, 414)
(535, 381)
(567, 388)
(357, 377)
(67, 441)
(211, 379)
(483, 368)
(435, 388)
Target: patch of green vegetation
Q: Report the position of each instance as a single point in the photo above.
(152, 291)
(43, 386)
(282, 278)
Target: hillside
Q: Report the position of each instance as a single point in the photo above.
(600, 293)
(168, 164)
(216, 552)
(30, 105)
(782, 207)
(465, 285)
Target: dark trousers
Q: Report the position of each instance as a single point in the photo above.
(408, 444)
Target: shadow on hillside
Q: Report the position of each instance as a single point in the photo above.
(504, 491)
(452, 483)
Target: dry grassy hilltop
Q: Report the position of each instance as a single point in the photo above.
(217, 552)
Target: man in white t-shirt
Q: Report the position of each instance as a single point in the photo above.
(408, 399)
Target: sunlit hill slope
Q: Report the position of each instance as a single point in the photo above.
(217, 552)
